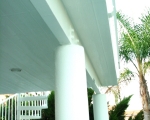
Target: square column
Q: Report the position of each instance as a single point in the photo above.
(71, 102)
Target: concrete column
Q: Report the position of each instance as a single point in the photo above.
(100, 107)
(71, 101)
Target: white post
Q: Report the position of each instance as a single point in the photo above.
(71, 101)
(12, 108)
(18, 106)
(15, 108)
(100, 107)
(9, 109)
(2, 110)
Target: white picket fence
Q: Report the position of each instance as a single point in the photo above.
(24, 106)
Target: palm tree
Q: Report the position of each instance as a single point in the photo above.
(135, 48)
(125, 78)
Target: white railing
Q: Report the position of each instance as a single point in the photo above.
(31, 104)
(8, 108)
(24, 106)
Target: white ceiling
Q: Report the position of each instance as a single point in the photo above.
(28, 42)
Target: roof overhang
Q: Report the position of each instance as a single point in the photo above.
(31, 30)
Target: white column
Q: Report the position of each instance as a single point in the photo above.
(100, 107)
(71, 101)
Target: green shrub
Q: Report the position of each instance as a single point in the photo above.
(139, 116)
(117, 113)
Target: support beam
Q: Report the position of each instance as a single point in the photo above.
(100, 107)
(54, 12)
(71, 101)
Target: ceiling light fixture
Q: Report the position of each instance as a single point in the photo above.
(15, 70)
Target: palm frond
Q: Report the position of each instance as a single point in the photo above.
(134, 42)
(126, 76)
(128, 48)
(146, 32)
(124, 20)
(146, 66)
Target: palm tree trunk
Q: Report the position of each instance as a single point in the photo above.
(119, 94)
(143, 93)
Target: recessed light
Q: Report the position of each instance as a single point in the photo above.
(15, 70)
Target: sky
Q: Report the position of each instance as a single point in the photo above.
(133, 8)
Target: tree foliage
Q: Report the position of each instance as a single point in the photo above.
(135, 48)
(134, 42)
(139, 116)
(90, 94)
(117, 113)
(125, 78)
(49, 114)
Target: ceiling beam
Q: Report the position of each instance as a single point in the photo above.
(55, 16)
